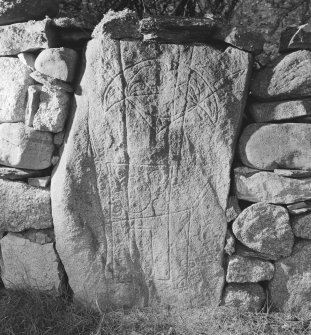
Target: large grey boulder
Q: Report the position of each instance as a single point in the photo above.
(279, 110)
(12, 11)
(138, 209)
(26, 264)
(255, 186)
(290, 287)
(246, 269)
(272, 146)
(14, 82)
(287, 77)
(247, 297)
(25, 148)
(28, 36)
(265, 228)
(24, 207)
(301, 225)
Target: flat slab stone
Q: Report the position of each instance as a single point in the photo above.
(279, 110)
(299, 207)
(40, 181)
(53, 110)
(245, 269)
(29, 265)
(14, 82)
(25, 148)
(51, 83)
(20, 174)
(301, 225)
(291, 285)
(265, 228)
(256, 186)
(293, 38)
(160, 122)
(12, 11)
(20, 204)
(41, 236)
(287, 77)
(28, 36)
(293, 173)
(272, 146)
(59, 63)
(248, 297)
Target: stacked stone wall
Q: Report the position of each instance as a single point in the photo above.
(136, 131)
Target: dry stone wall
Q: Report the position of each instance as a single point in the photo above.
(136, 128)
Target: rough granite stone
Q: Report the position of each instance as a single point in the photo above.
(265, 228)
(53, 110)
(29, 265)
(301, 225)
(245, 269)
(40, 181)
(272, 146)
(291, 285)
(230, 243)
(40, 236)
(28, 36)
(287, 77)
(12, 11)
(233, 209)
(255, 186)
(138, 209)
(279, 110)
(59, 63)
(33, 102)
(248, 297)
(14, 82)
(25, 148)
(51, 83)
(20, 205)
(296, 38)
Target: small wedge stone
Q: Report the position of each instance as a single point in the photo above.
(33, 102)
(40, 181)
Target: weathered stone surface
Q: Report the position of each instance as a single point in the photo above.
(53, 110)
(25, 148)
(287, 77)
(28, 58)
(50, 82)
(233, 209)
(245, 269)
(40, 181)
(255, 186)
(34, 92)
(59, 63)
(244, 251)
(279, 110)
(14, 82)
(230, 243)
(241, 38)
(20, 205)
(271, 146)
(296, 38)
(301, 225)
(29, 265)
(293, 173)
(248, 297)
(19, 174)
(40, 236)
(59, 138)
(118, 25)
(291, 285)
(138, 209)
(299, 207)
(265, 228)
(12, 11)
(29, 36)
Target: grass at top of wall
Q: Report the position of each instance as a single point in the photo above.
(34, 313)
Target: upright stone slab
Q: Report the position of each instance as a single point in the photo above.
(139, 196)
(14, 82)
